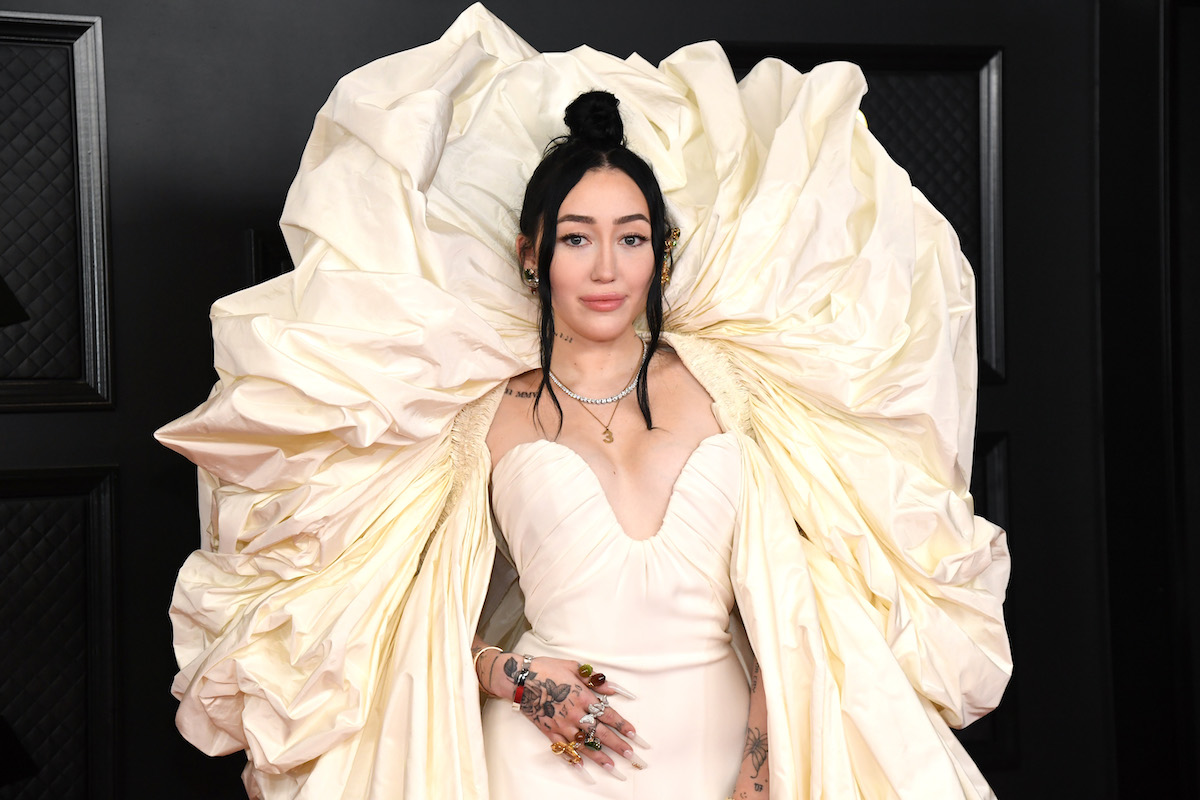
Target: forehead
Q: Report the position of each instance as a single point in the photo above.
(603, 194)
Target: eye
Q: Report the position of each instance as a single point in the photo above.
(572, 239)
(633, 239)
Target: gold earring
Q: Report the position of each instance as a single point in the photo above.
(529, 278)
(672, 240)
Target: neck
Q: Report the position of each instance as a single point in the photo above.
(597, 369)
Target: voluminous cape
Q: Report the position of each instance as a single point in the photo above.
(324, 626)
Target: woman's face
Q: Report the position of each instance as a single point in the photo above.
(603, 257)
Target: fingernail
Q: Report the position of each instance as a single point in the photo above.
(637, 761)
(639, 741)
(621, 690)
(583, 773)
(615, 773)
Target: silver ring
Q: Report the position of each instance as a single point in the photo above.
(596, 709)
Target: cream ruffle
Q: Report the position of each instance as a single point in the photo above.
(325, 625)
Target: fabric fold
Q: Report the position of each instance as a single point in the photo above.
(324, 625)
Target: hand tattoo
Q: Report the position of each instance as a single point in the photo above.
(540, 698)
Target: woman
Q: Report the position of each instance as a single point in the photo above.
(818, 309)
(611, 474)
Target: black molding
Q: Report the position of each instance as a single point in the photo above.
(990, 478)
(94, 389)
(98, 485)
(994, 741)
(988, 63)
(266, 255)
(989, 274)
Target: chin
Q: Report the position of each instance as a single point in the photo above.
(604, 331)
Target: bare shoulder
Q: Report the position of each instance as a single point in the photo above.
(513, 422)
(679, 400)
(667, 371)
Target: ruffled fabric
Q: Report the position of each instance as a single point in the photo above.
(324, 626)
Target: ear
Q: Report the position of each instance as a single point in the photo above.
(526, 257)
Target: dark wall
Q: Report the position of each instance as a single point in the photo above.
(209, 105)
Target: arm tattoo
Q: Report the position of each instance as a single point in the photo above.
(754, 678)
(756, 749)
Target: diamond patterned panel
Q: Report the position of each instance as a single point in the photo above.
(38, 212)
(929, 122)
(43, 643)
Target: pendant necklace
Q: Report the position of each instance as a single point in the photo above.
(615, 399)
(608, 435)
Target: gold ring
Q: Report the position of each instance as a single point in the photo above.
(567, 750)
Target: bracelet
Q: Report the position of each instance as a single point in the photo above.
(519, 692)
(475, 662)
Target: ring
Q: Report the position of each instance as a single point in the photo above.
(585, 670)
(567, 751)
(587, 719)
(588, 738)
(597, 709)
(595, 679)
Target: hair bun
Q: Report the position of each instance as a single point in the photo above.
(593, 118)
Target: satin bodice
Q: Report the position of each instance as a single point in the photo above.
(563, 536)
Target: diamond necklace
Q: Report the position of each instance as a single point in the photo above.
(602, 401)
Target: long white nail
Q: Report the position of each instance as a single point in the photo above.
(621, 690)
(615, 772)
(639, 741)
(583, 773)
(635, 759)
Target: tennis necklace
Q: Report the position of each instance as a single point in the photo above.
(603, 401)
(615, 399)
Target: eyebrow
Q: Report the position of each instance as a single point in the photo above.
(592, 220)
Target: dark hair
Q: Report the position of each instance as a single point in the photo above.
(596, 141)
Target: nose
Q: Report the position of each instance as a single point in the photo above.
(604, 267)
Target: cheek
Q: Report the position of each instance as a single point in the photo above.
(644, 269)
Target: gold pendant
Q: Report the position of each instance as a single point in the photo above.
(607, 436)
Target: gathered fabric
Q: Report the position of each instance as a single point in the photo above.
(324, 626)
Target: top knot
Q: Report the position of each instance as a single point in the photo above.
(594, 119)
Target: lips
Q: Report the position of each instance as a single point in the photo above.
(603, 302)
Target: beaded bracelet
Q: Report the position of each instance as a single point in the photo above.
(519, 692)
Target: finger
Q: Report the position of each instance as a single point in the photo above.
(615, 720)
(591, 746)
(617, 745)
(572, 757)
(600, 684)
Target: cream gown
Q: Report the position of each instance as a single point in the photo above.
(651, 614)
(324, 625)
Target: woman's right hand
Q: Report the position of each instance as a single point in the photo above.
(555, 699)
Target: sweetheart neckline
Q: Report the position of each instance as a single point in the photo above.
(599, 485)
